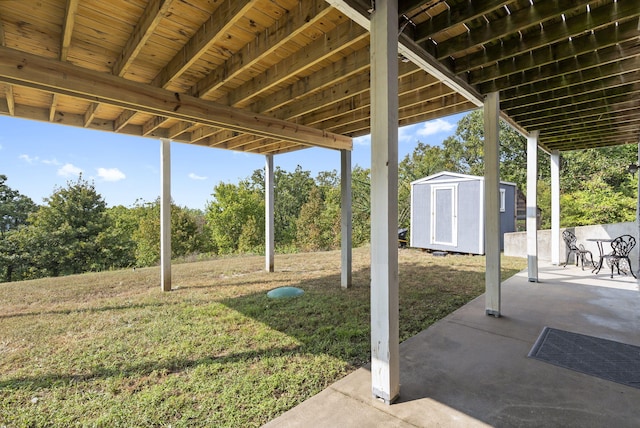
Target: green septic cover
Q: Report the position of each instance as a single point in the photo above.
(282, 292)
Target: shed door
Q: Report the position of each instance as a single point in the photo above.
(444, 214)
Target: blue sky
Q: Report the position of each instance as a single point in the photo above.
(37, 157)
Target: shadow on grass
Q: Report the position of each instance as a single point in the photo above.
(325, 320)
(84, 310)
(330, 320)
(53, 380)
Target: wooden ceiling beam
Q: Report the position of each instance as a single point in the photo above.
(66, 79)
(600, 17)
(459, 13)
(304, 15)
(604, 131)
(67, 28)
(605, 97)
(145, 27)
(534, 119)
(600, 120)
(517, 21)
(348, 88)
(412, 51)
(8, 92)
(605, 44)
(592, 90)
(612, 135)
(348, 66)
(220, 138)
(67, 32)
(180, 128)
(575, 71)
(212, 31)
(330, 115)
(563, 147)
(342, 37)
(595, 115)
(90, 114)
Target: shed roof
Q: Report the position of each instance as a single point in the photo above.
(273, 76)
(455, 176)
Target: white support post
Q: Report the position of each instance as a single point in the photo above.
(532, 203)
(165, 214)
(269, 234)
(346, 218)
(638, 220)
(555, 207)
(492, 202)
(385, 350)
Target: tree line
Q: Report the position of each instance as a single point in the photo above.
(74, 231)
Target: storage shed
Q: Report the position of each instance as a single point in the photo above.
(447, 212)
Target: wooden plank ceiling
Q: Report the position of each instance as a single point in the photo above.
(274, 76)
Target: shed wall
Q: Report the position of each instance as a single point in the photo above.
(469, 221)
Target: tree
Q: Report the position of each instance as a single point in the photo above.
(361, 204)
(188, 234)
(425, 160)
(464, 151)
(291, 192)
(310, 236)
(15, 208)
(232, 208)
(65, 232)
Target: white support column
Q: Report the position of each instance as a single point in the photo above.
(638, 220)
(555, 207)
(385, 351)
(269, 234)
(532, 203)
(165, 214)
(492, 203)
(346, 218)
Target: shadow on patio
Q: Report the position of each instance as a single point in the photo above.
(470, 369)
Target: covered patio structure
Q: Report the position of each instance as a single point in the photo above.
(275, 76)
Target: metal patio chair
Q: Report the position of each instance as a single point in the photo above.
(579, 250)
(619, 258)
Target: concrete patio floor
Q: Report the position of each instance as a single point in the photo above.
(470, 369)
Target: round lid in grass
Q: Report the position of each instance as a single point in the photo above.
(283, 292)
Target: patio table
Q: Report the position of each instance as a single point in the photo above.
(599, 242)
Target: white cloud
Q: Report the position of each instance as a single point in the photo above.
(53, 161)
(196, 177)
(69, 170)
(28, 158)
(111, 174)
(362, 141)
(435, 127)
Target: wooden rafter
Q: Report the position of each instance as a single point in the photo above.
(11, 105)
(67, 32)
(149, 21)
(303, 16)
(63, 78)
(267, 42)
(554, 33)
(568, 69)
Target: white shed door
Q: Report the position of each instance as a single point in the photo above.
(444, 214)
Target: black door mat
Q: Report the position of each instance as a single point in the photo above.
(606, 359)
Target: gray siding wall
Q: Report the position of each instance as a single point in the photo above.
(508, 217)
(470, 224)
(470, 215)
(420, 216)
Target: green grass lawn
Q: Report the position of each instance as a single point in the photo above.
(111, 349)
